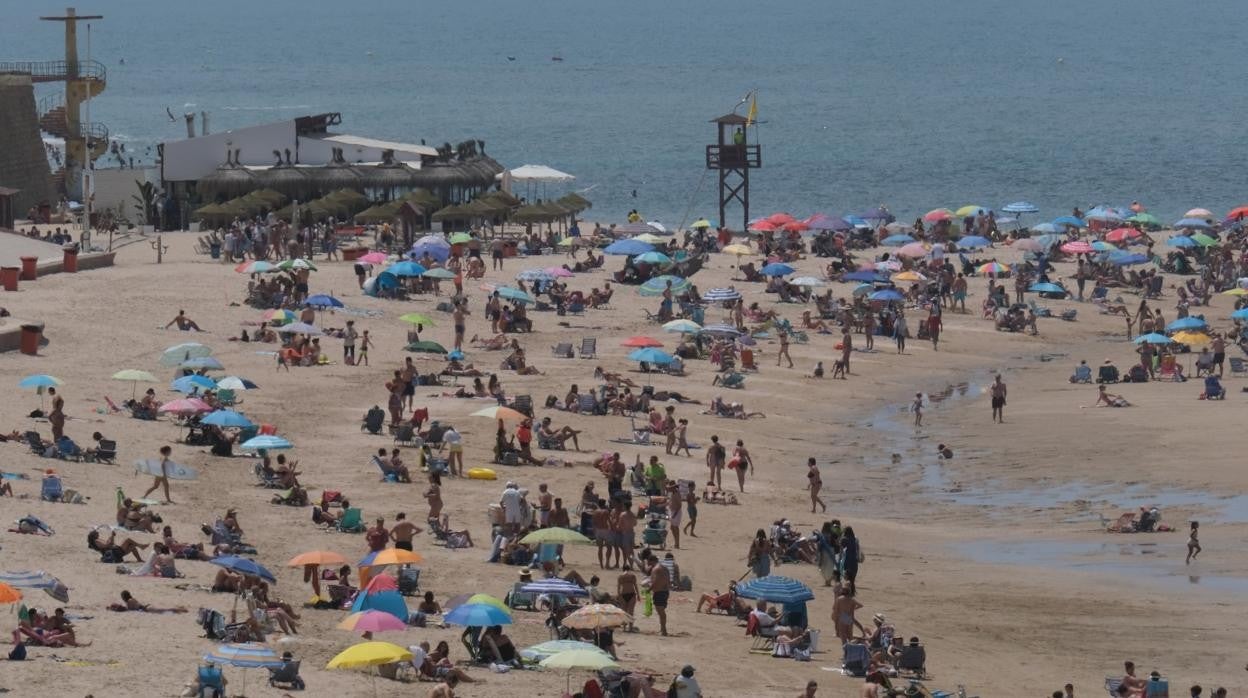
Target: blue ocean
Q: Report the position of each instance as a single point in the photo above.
(913, 104)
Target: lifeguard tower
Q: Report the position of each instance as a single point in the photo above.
(61, 114)
(733, 156)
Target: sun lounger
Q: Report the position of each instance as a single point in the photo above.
(520, 599)
(523, 404)
(51, 490)
(563, 350)
(855, 660)
(106, 452)
(1238, 365)
(589, 347)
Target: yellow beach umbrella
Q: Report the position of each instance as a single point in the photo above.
(367, 654)
(1236, 292)
(597, 615)
(738, 249)
(969, 210)
(485, 599)
(418, 319)
(589, 660)
(650, 238)
(554, 534)
(394, 556)
(1191, 338)
(908, 276)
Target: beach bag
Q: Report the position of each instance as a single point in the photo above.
(18, 653)
(647, 608)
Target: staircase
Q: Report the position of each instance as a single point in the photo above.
(92, 72)
(52, 121)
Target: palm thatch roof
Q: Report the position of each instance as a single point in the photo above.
(381, 213)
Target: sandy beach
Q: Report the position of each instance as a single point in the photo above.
(997, 559)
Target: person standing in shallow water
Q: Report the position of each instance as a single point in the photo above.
(917, 408)
(998, 400)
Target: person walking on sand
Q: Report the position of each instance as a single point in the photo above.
(917, 408)
(365, 343)
(899, 332)
(739, 462)
(715, 458)
(784, 349)
(847, 345)
(998, 400)
(461, 311)
(1193, 543)
(162, 480)
(660, 591)
(691, 503)
(814, 484)
(349, 335)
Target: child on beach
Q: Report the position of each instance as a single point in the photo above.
(1193, 544)
(365, 343)
(917, 409)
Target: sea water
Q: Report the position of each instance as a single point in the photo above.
(916, 104)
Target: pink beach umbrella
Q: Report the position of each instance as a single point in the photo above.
(372, 622)
(188, 405)
(914, 249)
(373, 258)
(1201, 213)
(1120, 234)
(1077, 247)
(763, 226)
(779, 219)
(558, 272)
(937, 215)
(382, 582)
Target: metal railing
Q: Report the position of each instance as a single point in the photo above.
(50, 102)
(56, 71)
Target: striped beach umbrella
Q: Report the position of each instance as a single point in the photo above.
(775, 588)
(245, 655)
(554, 585)
(720, 295)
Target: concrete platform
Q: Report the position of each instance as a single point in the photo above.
(14, 246)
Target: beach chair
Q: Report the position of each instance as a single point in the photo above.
(764, 643)
(520, 599)
(1214, 389)
(352, 521)
(1069, 314)
(51, 490)
(589, 347)
(388, 473)
(563, 350)
(913, 660)
(576, 307)
(286, 676)
(523, 404)
(1107, 374)
(549, 443)
(747, 360)
(409, 581)
(855, 660)
(731, 380)
(1038, 309)
(37, 445)
(1168, 369)
(211, 682)
(1238, 366)
(588, 404)
(106, 452)
(227, 397)
(405, 435)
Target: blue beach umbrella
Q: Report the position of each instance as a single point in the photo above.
(1070, 220)
(435, 245)
(1181, 241)
(720, 295)
(1192, 223)
(1241, 314)
(888, 295)
(40, 380)
(1187, 323)
(244, 655)
(777, 269)
(1102, 246)
(514, 294)
(267, 442)
(477, 614)
(405, 268)
(651, 355)
(876, 214)
(1103, 213)
(656, 286)
(191, 383)
(973, 242)
(628, 247)
(1019, 207)
(227, 418)
(856, 221)
(1046, 288)
(385, 601)
(1047, 228)
(776, 589)
(322, 300)
(897, 240)
(722, 329)
(244, 566)
(864, 275)
(653, 257)
(534, 275)
(1153, 338)
(1123, 258)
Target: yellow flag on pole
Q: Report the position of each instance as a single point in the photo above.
(752, 116)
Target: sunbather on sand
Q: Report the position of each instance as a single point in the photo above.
(561, 435)
(613, 378)
(129, 603)
(184, 322)
(734, 410)
(1106, 399)
(110, 550)
(499, 341)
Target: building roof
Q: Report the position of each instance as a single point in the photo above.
(8, 191)
(537, 173)
(735, 119)
(363, 142)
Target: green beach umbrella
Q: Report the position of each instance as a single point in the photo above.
(438, 273)
(426, 347)
(1204, 240)
(459, 238)
(418, 319)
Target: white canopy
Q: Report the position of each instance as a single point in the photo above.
(536, 173)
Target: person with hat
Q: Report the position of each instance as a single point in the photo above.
(686, 686)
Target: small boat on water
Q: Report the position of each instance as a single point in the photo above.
(557, 58)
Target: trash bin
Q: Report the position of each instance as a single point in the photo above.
(31, 334)
(71, 260)
(8, 277)
(30, 271)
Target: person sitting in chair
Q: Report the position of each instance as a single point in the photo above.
(561, 435)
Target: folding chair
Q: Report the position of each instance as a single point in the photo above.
(523, 404)
(563, 350)
(589, 347)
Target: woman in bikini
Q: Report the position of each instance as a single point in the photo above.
(760, 554)
(815, 484)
